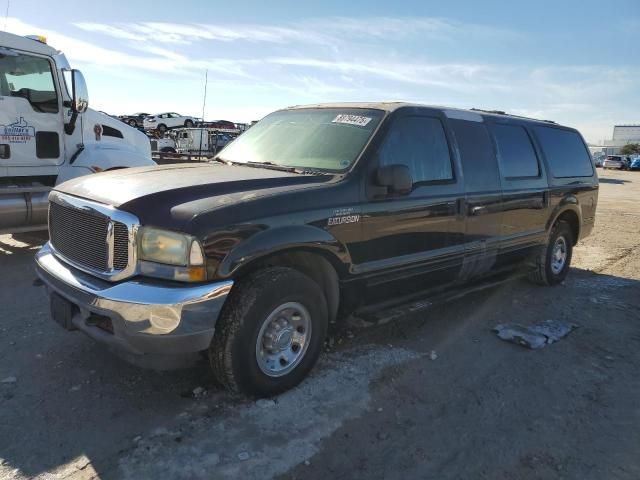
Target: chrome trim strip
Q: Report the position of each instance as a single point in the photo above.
(110, 245)
(131, 221)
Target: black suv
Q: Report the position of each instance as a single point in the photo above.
(314, 212)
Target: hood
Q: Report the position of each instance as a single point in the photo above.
(171, 195)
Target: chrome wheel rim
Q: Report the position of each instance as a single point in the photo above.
(559, 255)
(283, 339)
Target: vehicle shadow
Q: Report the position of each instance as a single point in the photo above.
(614, 181)
(75, 403)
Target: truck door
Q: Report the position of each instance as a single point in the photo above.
(31, 125)
(525, 192)
(413, 235)
(483, 200)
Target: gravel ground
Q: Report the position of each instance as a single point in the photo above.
(433, 395)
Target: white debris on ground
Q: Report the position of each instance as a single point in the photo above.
(534, 336)
(268, 437)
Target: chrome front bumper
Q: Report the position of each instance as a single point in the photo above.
(146, 316)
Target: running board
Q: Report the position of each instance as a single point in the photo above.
(385, 312)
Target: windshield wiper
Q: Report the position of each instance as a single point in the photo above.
(273, 166)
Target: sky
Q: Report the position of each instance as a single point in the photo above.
(574, 62)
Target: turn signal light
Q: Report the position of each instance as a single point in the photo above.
(196, 274)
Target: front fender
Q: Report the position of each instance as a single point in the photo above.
(281, 239)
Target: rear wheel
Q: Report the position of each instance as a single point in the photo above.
(553, 262)
(133, 123)
(162, 128)
(188, 123)
(270, 333)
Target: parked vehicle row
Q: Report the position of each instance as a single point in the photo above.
(617, 162)
(250, 257)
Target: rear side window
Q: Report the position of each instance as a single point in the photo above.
(517, 156)
(476, 152)
(420, 144)
(565, 152)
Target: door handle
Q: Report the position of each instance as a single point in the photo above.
(478, 210)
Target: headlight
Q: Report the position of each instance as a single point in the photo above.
(180, 255)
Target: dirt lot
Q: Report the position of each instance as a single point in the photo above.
(434, 396)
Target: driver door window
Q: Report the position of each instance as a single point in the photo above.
(420, 144)
(31, 78)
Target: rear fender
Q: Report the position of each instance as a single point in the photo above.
(568, 203)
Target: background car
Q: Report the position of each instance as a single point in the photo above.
(598, 161)
(136, 120)
(616, 162)
(221, 124)
(165, 121)
(635, 164)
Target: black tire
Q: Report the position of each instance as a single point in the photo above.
(133, 123)
(162, 128)
(232, 353)
(544, 273)
(188, 123)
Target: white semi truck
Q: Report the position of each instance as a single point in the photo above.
(48, 134)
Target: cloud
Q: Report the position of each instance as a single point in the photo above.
(418, 59)
(158, 59)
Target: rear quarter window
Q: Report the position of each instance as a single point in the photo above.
(565, 152)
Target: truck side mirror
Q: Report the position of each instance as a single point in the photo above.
(397, 178)
(79, 99)
(79, 92)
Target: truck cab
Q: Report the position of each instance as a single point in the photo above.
(47, 132)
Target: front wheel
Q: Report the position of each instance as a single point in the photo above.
(553, 262)
(270, 333)
(162, 128)
(188, 124)
(133, 123)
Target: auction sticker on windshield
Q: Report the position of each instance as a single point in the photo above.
(357, 120)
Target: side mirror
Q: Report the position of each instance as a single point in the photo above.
(79, 99)
(397, 178)
(79, 92)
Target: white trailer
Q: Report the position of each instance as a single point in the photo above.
(205, 140)
(48, 134)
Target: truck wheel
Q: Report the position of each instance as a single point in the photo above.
(162, 128)
(552, 264)
(188, 124)
(270, 333)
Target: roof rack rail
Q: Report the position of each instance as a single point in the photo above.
(500, 112)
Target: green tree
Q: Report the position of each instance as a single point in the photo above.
(630, 149)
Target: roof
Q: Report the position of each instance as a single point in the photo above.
(392, 106)
(18, 42)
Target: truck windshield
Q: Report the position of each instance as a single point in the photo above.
(320, 139)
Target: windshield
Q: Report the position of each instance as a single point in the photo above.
(324, 138)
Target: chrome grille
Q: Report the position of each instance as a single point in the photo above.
(80, 236)
(93, 237)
